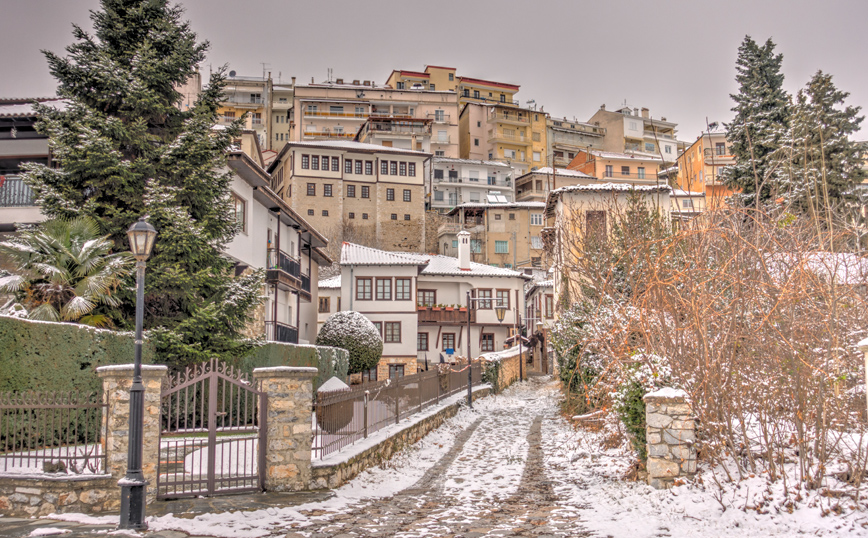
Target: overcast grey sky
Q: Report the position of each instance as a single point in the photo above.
(676, 57)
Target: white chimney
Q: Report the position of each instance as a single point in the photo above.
(464, 250)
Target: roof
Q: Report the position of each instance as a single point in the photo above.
(508, 205)
(603, 187)
(483, 82)
(12, 109)
(330, 283)
(615, 155)
(427, 67)
(453, 160)
(434, 265)
(682, 192)
(547, 170)
(345, 145)
(413, 73)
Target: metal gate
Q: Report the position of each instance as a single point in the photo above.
(212, 433)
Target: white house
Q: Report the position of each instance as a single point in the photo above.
(539, 317)
(276, 238)
(458, 181)
(418, 302)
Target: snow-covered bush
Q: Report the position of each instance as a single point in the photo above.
(354, 332)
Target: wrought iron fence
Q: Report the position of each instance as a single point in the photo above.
(55, 432)
(346, 416)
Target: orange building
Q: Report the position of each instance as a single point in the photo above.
(701, 164)
(613, 167)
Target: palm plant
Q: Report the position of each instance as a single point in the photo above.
(63, 271)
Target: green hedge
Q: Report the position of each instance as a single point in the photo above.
(44, 356)
(329, 361)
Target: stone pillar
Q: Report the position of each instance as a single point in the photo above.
(670, 437)
(290, 414)
(116, 382)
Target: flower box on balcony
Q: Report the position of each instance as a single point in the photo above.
(449, 309)
(435, 309)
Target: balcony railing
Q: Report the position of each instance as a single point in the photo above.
(441, 139)
(443, 315)
(398, 128)
(327, 134)
(650, 134)
(305, 283)
(244, 100)
(498, 116)
(276, 331)
(476, 181)
(324, 114)
(509, 137)
(468, 95)
(15, 193)
(278, 259)
(439, 118)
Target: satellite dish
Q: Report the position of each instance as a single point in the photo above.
(232, 73)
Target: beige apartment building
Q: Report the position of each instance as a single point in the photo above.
(565, 138)
(418, 120)
(469, 89)
(635, 132)
(537, 184)
(376, 192)
(502, 234)
(509, 134)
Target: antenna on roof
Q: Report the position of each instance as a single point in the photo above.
(265, 66)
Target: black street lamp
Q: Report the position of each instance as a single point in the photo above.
(141, 236)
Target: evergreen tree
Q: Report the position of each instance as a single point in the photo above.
(826, 164)
(761, 121)
(123, 149)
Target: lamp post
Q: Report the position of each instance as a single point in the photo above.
(517, 325)
(499, 310)
(141, 236)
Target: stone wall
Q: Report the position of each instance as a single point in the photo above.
(670, 435)
(333, 475)
(25, 497)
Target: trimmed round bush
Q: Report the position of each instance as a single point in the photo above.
(354, 332)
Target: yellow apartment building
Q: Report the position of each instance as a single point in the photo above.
(433, 78)
(470, 90)
(505, 133)
(701, 164)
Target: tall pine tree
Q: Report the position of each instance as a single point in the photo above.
(123, 149)
(761, 121)
(826, 163)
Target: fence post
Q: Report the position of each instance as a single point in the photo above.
(670, 437)
(367, 393)
(419, 385)
(289, 412)
(397, 400)
(116, 382)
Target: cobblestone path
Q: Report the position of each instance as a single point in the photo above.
(492, 483)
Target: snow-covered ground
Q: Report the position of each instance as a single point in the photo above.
(513, 463)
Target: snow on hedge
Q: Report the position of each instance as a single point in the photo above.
(354, 332)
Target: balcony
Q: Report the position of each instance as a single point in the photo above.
(718, 156)
(244, 100)
(324, 114)
(518, 119)
(15, 193)
(441, 140)
(439, 118)
(467, 95)
(276, 331)
(509, 138)
(428, 314)
(475, 181)
(399, 128)
(309, 135)
(650, 134)
(283, 270)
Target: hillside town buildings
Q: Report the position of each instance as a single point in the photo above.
(701, 164)
(458, 181)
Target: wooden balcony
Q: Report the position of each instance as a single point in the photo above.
(429, 314)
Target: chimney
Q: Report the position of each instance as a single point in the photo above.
(603, 106)
(293, 82)
(464, 250)
(355, 82)
(339, 81)
(645, 113)
(635, 111)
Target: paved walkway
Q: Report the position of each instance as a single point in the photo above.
(493, 482)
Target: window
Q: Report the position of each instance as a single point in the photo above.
(359, 167)
(239, 207)
(422, 342)
(384, 289)
(720, 148)
(379, 326)
(393, 333)
(633, 126)
(255, 97)
(327, 190)
(325, 163)
(352, 215)
(486, 303)
(364, 216)
(549, 306)
(476, 246)
(536, 154)
(497, 216)
(539, 185)
(512, 216)
(487, 342)
(431, 87)
(502, 298)
(438, 196)
(363, 289)
(502, 98)
(366, 191)
(536, 219)
(305, 162)
(640, 172)
(426, 297)
(407, 195)
(406, 217)
(448, 341)
(438, 174)
(310, 212)
(476, 94)
(384, 167)
(625, 171)
(348, 166)
(351, 191)
(501, 247)
(311, 189)
(314, 162)
(451, 76)
(454, 243)
(390, 195)
(325, 212)
(402, 289)
(393, 168)
(669, 149)
(394, 216)
(536, 242)
(479, 124)
(475, 141)
(369, 168)
(687, 203)
(396, 371)
(439, 115)
(324, 307)
(369, 375)
(608, 170)
(399, 86)
(336, 164)
(411, 169)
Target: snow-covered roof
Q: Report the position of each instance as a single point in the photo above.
(682, 192)
(439, 265)
(547, 170)
(452, 160)
(330, 283)
(615, 155)
(353, 254)
(604, 187)
(357, 146)
(507, 205)
(434, 265)
(12, 110)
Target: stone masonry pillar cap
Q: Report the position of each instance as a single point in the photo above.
(863, 345)
(297, 372)
(126, 370)
(666, 393)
